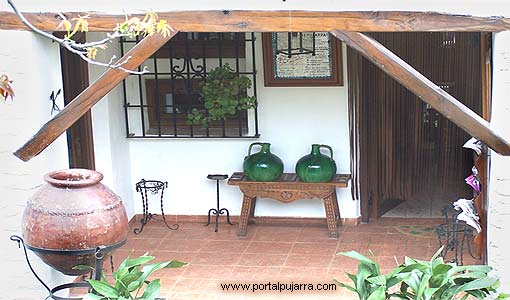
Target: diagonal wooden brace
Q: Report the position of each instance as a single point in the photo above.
(425, 89)
(50, 131)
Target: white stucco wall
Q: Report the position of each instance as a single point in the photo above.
(111, 149)
(291, 119)
(34, 65)
(499, 186)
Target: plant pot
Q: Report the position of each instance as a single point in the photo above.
(73, 211)
(263, 165)
(316, 167)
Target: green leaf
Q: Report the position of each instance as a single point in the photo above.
(477, 284)
(377, 280)
(345, 286)
(91, 296)
(378, 294)
(413, 281)
(441, 269)
(134, 285)
(151, 290)
(176, 264)
(120, 273)
(103, 288)
(423, 285)
(356, 255)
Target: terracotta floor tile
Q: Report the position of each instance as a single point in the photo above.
(190, 234)
(267, 247)
(254, 273)
(183, 256)
(388, 262)
(154, 233)
(314, 248)
(225, 246)
(207, 272)
(305, 274)
(355, 237)
(353, 246)
(215, 259)
(142, 244)
(229, 233)
(318, 234)
(181, 245)
(340, 262)
(258, 260)
(272, 233)
(308, 261)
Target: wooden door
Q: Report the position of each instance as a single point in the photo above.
(402, 149)
(79, 137)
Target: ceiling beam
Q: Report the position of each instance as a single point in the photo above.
(425, 89)
(90, 96)
(271, 21)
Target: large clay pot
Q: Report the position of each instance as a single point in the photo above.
(263, 165)
(73, 211)
(316, 167)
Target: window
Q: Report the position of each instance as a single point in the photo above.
(157, 103)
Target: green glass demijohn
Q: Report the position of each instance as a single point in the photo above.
(263, 165)
(316, 167)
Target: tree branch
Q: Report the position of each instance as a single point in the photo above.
(79, 48)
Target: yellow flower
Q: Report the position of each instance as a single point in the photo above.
(163, 28)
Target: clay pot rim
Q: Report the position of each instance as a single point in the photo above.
(73, 177)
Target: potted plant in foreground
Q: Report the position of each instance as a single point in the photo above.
(224, 94)
(422, 280)
(130, 279)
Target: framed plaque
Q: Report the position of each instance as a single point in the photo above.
(322, 69)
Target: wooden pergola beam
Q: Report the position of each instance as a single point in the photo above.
(272, 21)
(425, 89)
(90, 96)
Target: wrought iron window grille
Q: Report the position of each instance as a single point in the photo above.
(157, 103)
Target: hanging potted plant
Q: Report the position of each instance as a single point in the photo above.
(224, 95)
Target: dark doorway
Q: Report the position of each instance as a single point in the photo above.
(403, 150)
(79, 137)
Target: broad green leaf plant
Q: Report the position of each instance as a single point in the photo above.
(421, 280)
(130, 279)
(224, 94)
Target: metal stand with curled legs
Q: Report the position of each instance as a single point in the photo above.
(454, 235)
(154, 187)
(217, 211)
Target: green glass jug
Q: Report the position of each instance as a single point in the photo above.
(263, 165)
(316, 167)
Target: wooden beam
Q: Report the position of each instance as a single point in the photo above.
(425, 89)
(90, 96)
(271, 21)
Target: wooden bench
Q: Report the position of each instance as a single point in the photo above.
(287, 189)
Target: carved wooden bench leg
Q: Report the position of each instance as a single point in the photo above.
(246, 210)
(330, 216)
(335, 207)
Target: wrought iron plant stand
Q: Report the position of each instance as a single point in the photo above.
(154, 187)
(96, 273)
(454, 235)
(217, 211)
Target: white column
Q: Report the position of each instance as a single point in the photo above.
(499, 186)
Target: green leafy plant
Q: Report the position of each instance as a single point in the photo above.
(420, 280)
(224, 94)
(129, 280)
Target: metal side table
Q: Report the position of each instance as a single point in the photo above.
(217, 211)
(154, 187)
